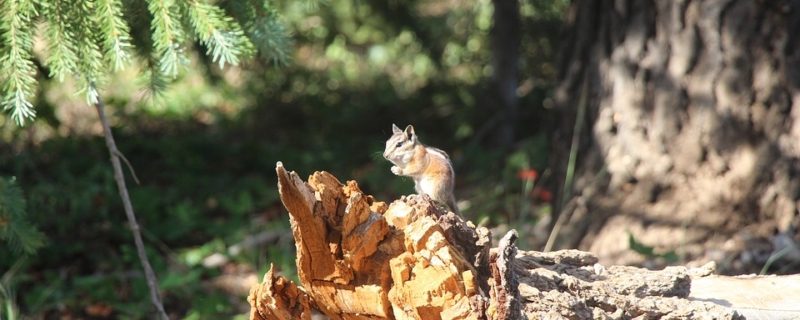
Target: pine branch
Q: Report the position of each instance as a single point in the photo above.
(219, 33)
(153, 81)
(15, 229)
(15, 64)
(272, 40)
(91, 63)
(140, 20)
(116, 34)
(270, 36)
(263, 27)
(62, 58)
(92, 38)
(167, 35)
(152, 282)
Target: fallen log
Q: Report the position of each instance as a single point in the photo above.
(755, 297)
(360, 258)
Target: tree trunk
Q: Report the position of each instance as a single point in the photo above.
(693, 129)
(505, 40)
(359, 258)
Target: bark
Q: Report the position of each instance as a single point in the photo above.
(693, 129)
(359, 258)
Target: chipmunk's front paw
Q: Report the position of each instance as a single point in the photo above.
(396, 170)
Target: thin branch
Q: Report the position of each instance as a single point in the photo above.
(128, 164)
(126, 202)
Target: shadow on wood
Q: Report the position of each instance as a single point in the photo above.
(359, 258)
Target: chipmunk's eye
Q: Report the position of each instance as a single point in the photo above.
(399, 144)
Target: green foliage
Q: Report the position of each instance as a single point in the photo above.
(196, 200)
(649, 251)
(223, 37)
(91, 39)
(15, 60)
(90, 57)
(8, 305)
(168, 35)
(15, 229)
(116, 34)
(264, 28)
(61, 42)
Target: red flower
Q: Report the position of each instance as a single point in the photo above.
(542, 194)
(528, 174)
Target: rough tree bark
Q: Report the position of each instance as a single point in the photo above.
(693, 128)
(359, 258)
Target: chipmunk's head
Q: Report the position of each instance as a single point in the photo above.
(400, 146)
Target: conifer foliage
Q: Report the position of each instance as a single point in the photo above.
(88, 39)
(15, 229)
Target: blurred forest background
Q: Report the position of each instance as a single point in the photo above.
(205, 151)
(649, 132)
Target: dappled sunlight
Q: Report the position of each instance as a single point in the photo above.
(618, 129)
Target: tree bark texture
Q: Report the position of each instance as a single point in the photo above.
(359, 258)
(693, 128)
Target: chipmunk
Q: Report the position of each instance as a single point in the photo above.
(430, 168)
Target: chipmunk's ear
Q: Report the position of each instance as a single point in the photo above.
(410, 132)
(396, 129)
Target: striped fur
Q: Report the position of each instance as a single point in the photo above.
(430, 167)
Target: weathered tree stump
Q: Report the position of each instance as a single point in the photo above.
(359, 258)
